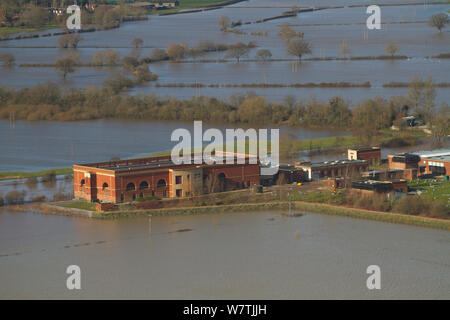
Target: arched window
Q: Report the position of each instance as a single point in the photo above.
(143, 185)
(131, 186)
(105, 186)
(161, 183)
(221, 184)
(82, 183)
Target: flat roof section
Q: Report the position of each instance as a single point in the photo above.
(332, 163)
(362, 149)
(432, 153)
(439, 158)
(155, 162)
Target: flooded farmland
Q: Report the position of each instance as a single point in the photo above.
(324, 29)
(240, 255)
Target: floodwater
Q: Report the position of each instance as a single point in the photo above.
(31, 146)
(223, 256)
(325, 29)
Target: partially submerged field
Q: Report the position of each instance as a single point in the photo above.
(309, 197)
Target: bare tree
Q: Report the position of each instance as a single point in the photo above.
(441, 124)
(137, 42)
(98, 58)
(298, 48)
(344, 50)
(391, 48)
(263, 54)
(7, 59)
(176, 51)
(287, 33)
(237, 51)
(69, 41)
(195, 53)
(429, 94)
(158, 55)
(415, 93)
(439, 21)
(111, 57)
(224, 23)
(67, 64)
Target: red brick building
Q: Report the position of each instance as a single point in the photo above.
(403, 161)
(332, 169)
(370, 187)
(126, 180)
(435, 165)
(371, 154)
(434, 162)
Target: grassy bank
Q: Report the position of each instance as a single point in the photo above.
(298, 205)
(5, 31)
(374, 215)
(194, 4)
(6, 175)
(90, 206)
(432, 188)
(341, 84)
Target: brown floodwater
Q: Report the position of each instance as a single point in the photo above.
(224, 256)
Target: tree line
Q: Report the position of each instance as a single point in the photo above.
(365, 118)
(35, 13)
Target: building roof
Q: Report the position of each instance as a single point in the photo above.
(439, 158)
(372, 185)
(155, 162)
(381, 171)
(405, 158)
(437, 154)
(333, 163)
(362, 149)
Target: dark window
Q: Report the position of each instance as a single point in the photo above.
(121, 197)
(179, 192)
(105, 186)
(161, 183)
(82, 183)
(134, 196)
(143, 185)
(178, 180)
(437, 170)
(131, 186)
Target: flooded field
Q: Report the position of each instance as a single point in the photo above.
(261, 255)
(324, 29)
(41, 145)
(223, 256)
